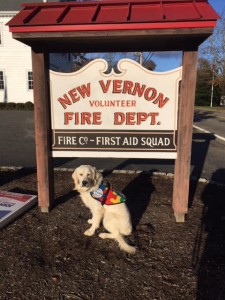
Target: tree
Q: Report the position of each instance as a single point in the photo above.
(214, 51)
(79, 60)
(150, 65)
(204, 83)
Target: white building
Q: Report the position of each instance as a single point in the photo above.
(16, 84)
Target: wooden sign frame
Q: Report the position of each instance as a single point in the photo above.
(164, 35)
(184, 139)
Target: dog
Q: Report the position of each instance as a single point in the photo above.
(115, 217)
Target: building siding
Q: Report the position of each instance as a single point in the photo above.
(15, 62)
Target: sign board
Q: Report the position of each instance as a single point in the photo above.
(128, 113)
(14, 204)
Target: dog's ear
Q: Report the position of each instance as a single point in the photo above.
(75, 179)
(97, 177)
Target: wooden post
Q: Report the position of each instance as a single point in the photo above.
(45, 175)
(184, 139)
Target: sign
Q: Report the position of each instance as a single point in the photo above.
(128, 113)
(14, 204)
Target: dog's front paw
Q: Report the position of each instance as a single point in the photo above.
(90, 221)
(89, 232)
(103, 235)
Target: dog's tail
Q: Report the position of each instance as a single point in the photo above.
(123, 244)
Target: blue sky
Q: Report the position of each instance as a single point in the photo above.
(167, 61)
(218, 5)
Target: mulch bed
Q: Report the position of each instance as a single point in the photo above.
(47, 256)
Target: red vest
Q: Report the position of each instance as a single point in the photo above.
(108, 196)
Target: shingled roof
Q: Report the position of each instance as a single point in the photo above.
(89, 19)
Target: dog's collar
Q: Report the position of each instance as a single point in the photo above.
(107, 196)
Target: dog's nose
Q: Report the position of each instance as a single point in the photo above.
(84, 182)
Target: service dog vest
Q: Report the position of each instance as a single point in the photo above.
(107, 196)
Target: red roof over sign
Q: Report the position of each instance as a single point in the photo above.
(113, 15)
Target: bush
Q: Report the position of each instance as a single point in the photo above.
(10, 106)
(29, 106)
(2, 106)
(20, 106)
(16, 106)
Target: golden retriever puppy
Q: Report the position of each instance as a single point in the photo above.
(105, 205)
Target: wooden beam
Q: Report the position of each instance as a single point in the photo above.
(183, 32)
(184, 139)
(45, 178)
(114, 41)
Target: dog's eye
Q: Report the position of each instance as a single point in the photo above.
(89, 174)
(81, 174)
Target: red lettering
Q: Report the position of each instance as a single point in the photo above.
(138, 89)
(97, 118)
(153, 116)
(150, 94)
(117, 86)
(83, 118)
(73, 95)
(105, 87)
(84, 90)
(161, 102)
(130, 118)
(64, 101)
(68, 116)
(133, 118)
(86, 118)
(141, 117)
(76, 118)
(127, 87)
(119, 118)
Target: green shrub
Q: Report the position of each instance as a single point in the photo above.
(10, 106)
(20, 106)
(2, 105)
(29, 105)
(16, 106)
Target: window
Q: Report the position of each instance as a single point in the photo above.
(30, 80)
(1, 34)
(2, 83)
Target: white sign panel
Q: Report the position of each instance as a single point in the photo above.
(130, 113)
(14, 204)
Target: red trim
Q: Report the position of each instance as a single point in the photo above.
(101, 27)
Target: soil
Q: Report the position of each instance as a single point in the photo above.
(47, 256)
